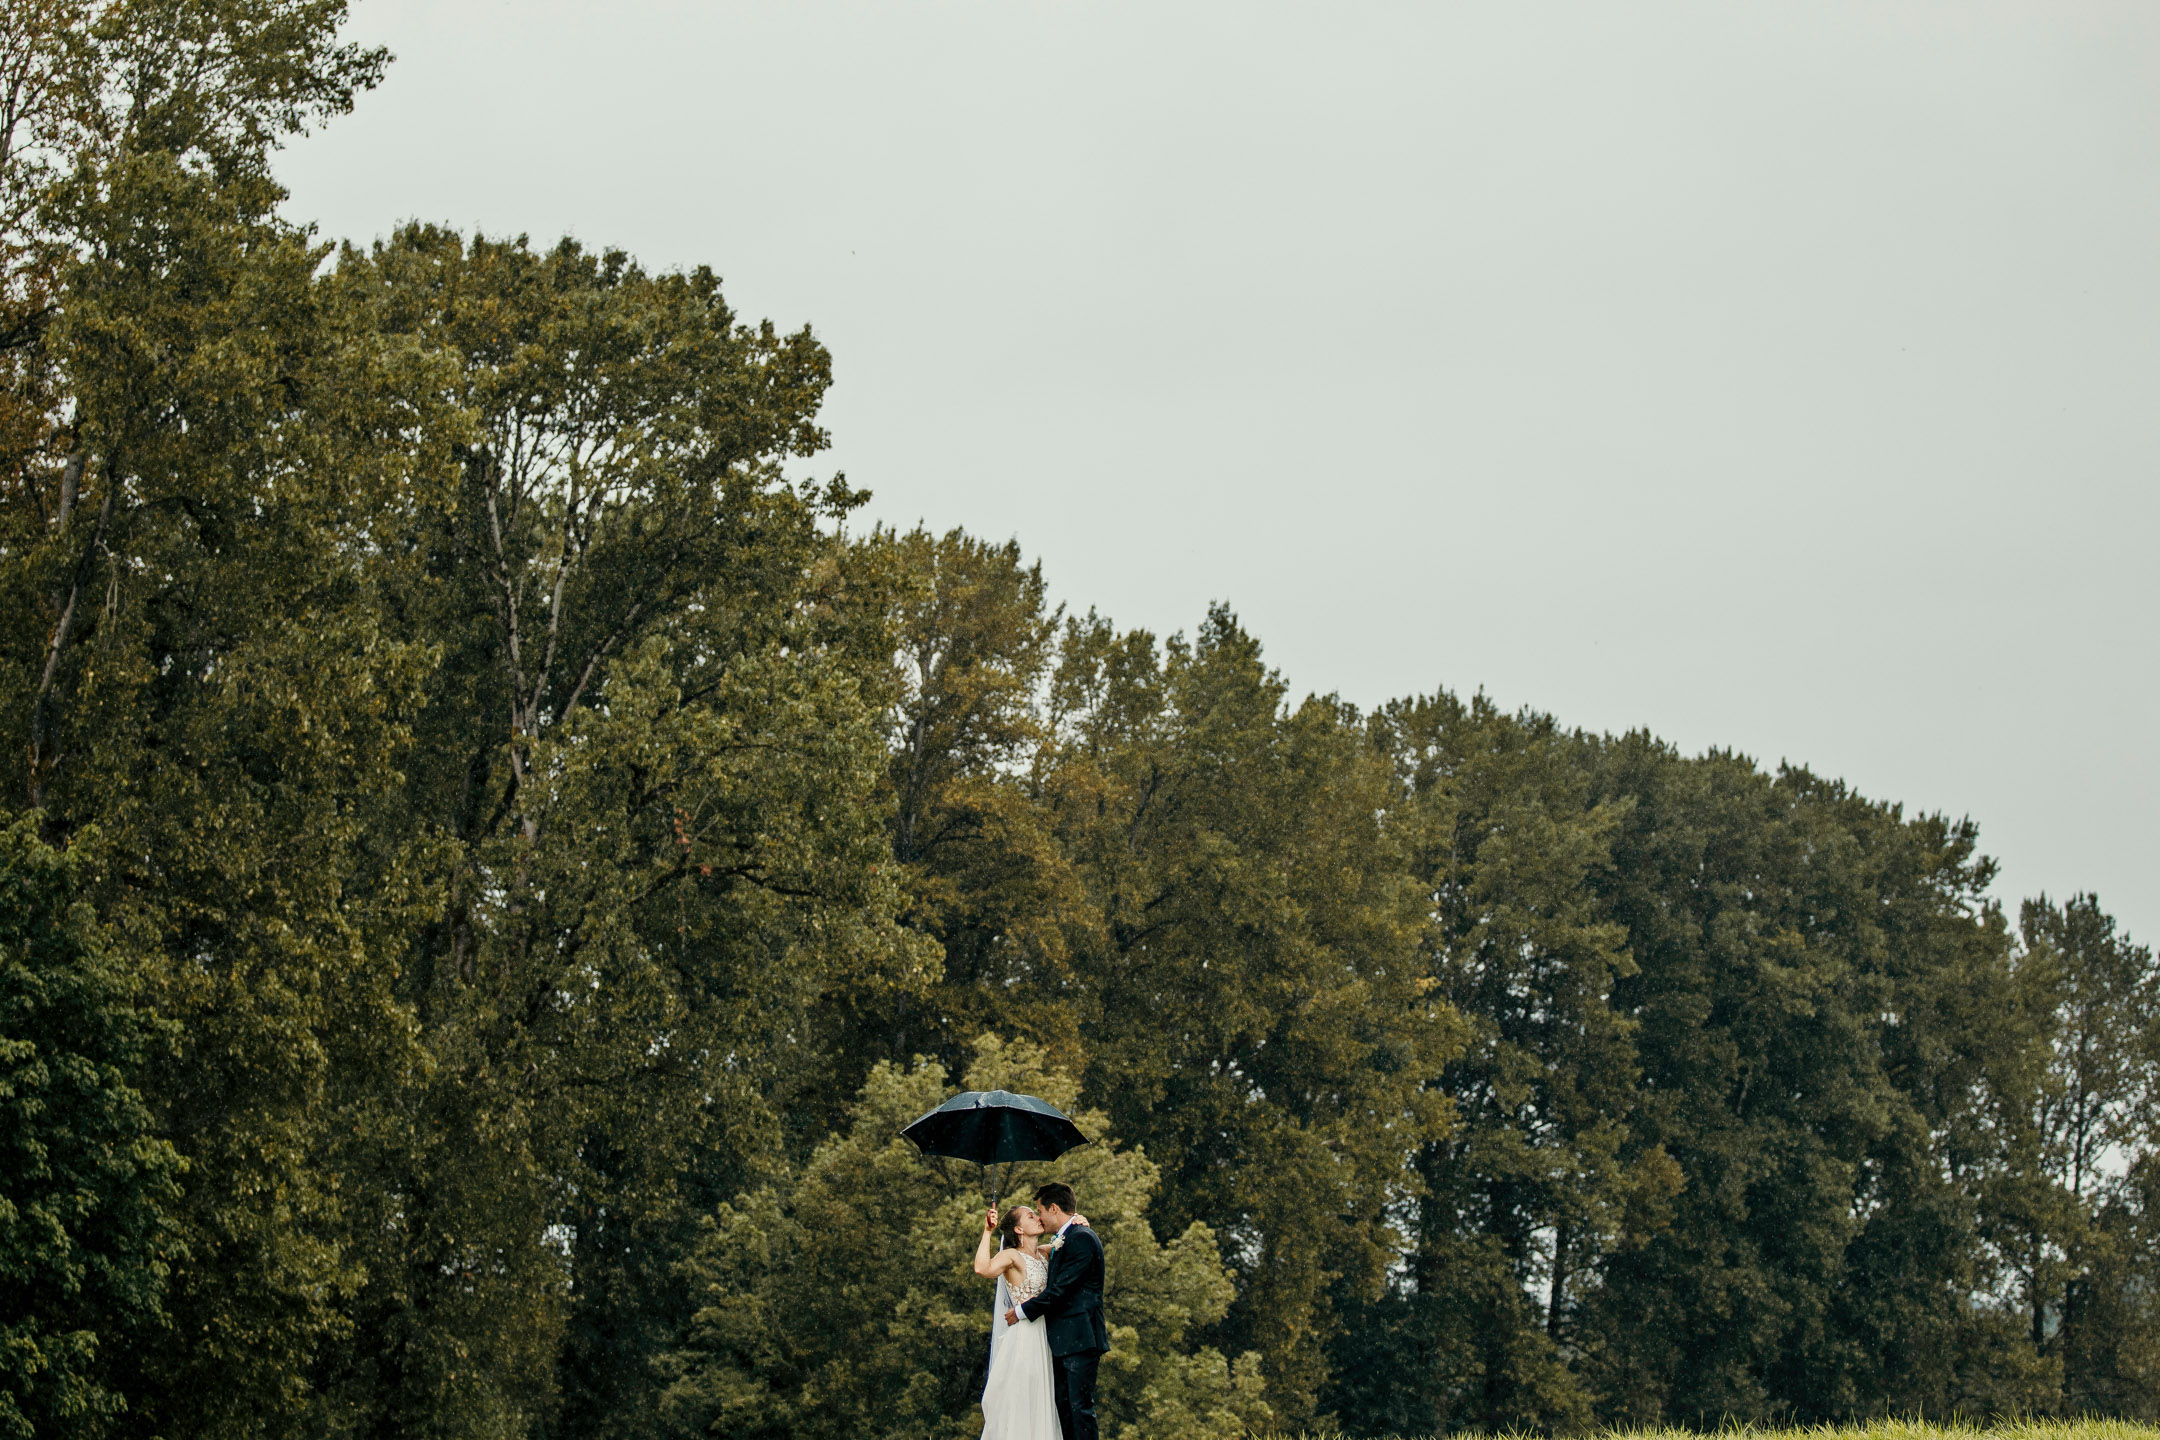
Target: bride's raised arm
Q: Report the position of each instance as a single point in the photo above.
(988, 1261)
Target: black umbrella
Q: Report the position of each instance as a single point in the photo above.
(995, 1127)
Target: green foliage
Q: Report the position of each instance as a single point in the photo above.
(86, 1240)
(474, 727)
(1252, 985)
(1899, 1429)
(1546, 1175)
(1799, 950)
(840, 1302)
(1140, 857)
(645, 762)
(491, 863)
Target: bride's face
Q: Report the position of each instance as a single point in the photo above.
(1028, 1222)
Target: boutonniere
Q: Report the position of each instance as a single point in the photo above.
(1057, 1243)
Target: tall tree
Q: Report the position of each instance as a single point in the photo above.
(974, 642)
(86, 1238)
(649, 768)
(1788, 935)
(2063, 1206)
(1252, 992)
(182, 667)
(1544, 1176)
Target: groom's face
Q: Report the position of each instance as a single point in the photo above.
(1053, 1217)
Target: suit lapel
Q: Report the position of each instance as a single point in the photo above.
(1055, 1255)
(1071, 1239)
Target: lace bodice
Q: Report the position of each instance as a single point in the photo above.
(1028, 1283)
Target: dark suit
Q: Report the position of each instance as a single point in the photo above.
(1070, 1307)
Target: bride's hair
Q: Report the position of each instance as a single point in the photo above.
(1009, 1229)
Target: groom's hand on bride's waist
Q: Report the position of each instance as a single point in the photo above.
(1012, 1317)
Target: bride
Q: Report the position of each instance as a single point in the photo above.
(1017, 1401)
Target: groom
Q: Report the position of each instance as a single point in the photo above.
(1071, 1307)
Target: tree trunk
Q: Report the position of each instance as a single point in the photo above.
(1554, 1306)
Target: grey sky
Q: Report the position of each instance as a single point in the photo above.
(1775, 376)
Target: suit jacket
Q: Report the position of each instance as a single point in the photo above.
(1070, 1305)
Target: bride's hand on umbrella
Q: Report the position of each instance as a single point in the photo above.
(990, 1220)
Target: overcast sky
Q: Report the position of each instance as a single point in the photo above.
(1776, 376)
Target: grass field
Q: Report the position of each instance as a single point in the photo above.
(1880, 1430)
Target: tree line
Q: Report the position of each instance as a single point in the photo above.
(492, 858)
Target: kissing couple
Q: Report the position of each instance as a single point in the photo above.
(1046, 1333)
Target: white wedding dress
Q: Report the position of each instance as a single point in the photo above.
(1018, 1402)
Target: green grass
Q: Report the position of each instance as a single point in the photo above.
(1877, 1430)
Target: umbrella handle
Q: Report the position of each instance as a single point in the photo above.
(994, 1177)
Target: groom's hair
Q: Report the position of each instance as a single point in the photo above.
(1056, 1194)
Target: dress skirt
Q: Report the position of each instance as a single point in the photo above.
(1019, 1400)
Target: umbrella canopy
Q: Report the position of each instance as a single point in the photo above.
(995, 1127)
